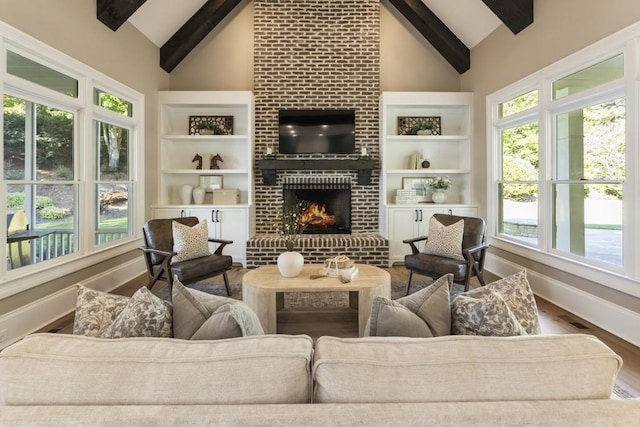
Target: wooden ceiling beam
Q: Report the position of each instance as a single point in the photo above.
(515, 14)
(194, 31)
(114, 13)
(436, 33)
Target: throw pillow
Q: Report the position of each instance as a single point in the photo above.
(190, 242)
(199, 315)
(145, 315)
(516, 293)
(425, 313)
(96, 310)
(445, 241)
(483, 314)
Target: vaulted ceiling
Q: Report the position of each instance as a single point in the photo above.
(453, 27)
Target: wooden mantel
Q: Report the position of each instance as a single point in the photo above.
(269, 167)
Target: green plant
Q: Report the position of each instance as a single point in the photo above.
(422, 126)
(440, 182)
(53, 212)
(213, 127)
(290, 225)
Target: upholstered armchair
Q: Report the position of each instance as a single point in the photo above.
(473, 254)
(158, 253)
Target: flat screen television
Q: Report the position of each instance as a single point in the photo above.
(317, 131)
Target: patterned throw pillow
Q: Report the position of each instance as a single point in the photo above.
(445, 241)
(516, 293)
(199, 315)
(483, 314)
(96, 310)
(425, 313)
(145, 315)
(190, 242)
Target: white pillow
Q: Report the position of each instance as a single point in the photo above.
(445, 241)
(190, 242)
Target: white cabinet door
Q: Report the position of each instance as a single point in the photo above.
(166, 213)
(229, 224)
(460, 211)
(404, 223)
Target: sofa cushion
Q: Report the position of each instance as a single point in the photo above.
(61, 369)
(463, 369)
(199, 315)
(484, 314)
(445, 241)
(517, 294)
(145, 315)
(425, 313)
(190, 242)
(96, 310)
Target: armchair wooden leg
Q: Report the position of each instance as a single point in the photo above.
(226, 283)
(409, 282)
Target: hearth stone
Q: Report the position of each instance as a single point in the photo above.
(364, 248)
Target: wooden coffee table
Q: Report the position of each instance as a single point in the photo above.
(263, 288)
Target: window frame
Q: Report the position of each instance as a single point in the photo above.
(627, 278)
(88, 253)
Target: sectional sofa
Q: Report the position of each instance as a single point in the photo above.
(56, 379)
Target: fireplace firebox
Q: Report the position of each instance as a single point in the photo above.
(328, 204)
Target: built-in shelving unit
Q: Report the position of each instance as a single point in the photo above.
(448, 152)
(177, 149)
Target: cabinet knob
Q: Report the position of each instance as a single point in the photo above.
(450, 212)
(181, 213)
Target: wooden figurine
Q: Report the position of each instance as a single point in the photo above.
(197, 158)
(214, 161)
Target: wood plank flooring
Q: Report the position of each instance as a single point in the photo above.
(344, 323)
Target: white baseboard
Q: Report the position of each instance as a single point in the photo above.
(613, 318)
(38, 314)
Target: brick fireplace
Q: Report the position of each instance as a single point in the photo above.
(311, 54)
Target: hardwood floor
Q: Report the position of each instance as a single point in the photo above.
(343, 322)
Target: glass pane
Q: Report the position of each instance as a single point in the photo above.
(591, 142)
(115, 216)
(597, 74)
(14, 138)
(54, 144)
(517, 104)
(39, 74)
(520, 161)
(519, 211)
(588, 221)
(112, 103)
(41, 223)
(113, 152)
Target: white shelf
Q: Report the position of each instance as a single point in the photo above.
(201, 138)
(428, 171)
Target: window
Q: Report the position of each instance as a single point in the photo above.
(70, 168)
(562, 186)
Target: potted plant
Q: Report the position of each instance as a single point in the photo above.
(289, 227)
(424, 128)
(439, 184)
(209, 128)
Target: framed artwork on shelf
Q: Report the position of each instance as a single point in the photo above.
(427, 125)
(421, 185)
(210, 125)
(211, 182)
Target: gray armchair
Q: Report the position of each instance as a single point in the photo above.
(158, 251)
(473, 250)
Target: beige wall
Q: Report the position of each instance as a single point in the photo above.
(560, 28)
(71, 26)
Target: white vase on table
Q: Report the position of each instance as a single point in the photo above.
(290, 263)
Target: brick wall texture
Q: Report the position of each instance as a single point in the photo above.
(317, 54)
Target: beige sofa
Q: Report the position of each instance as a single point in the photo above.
(55, 379)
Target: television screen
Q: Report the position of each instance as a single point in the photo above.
(317, 131)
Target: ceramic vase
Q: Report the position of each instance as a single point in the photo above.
(290, 264)
(439, 196)
(185, 194)
(198, 195)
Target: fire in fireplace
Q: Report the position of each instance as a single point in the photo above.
(328, 203)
